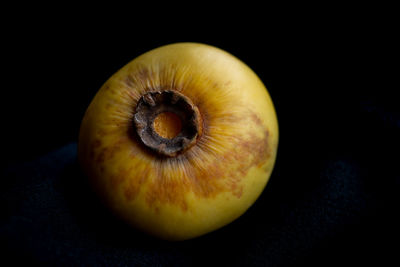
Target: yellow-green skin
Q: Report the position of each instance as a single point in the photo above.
(212, 183)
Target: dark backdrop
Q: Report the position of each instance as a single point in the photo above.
(334, 191)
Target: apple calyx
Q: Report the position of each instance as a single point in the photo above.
(153, 103)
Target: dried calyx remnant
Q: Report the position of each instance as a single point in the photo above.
(154, 103)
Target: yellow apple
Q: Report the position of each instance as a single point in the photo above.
(180, 141)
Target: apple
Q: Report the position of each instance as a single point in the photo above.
(180, 141)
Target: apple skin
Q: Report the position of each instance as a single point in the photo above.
(207, 186)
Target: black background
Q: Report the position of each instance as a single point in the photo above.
(338, 118)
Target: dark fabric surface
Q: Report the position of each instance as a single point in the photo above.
(327, 209)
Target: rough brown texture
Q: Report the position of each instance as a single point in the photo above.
(150, 105)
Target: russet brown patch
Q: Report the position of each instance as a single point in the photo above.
(210, 179)
(167, 191)
(135, 183)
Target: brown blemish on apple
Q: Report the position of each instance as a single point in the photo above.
(144, 74)
(129, 81)
(166, 190)
(106, 87)
(238, 193)
(211, 179)
(255, 118)
(107, 152)
(139, 77)
(132, 176)
(135, 183)
(118, 179)
(249, 153)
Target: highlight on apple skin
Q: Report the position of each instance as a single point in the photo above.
(180, 141)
